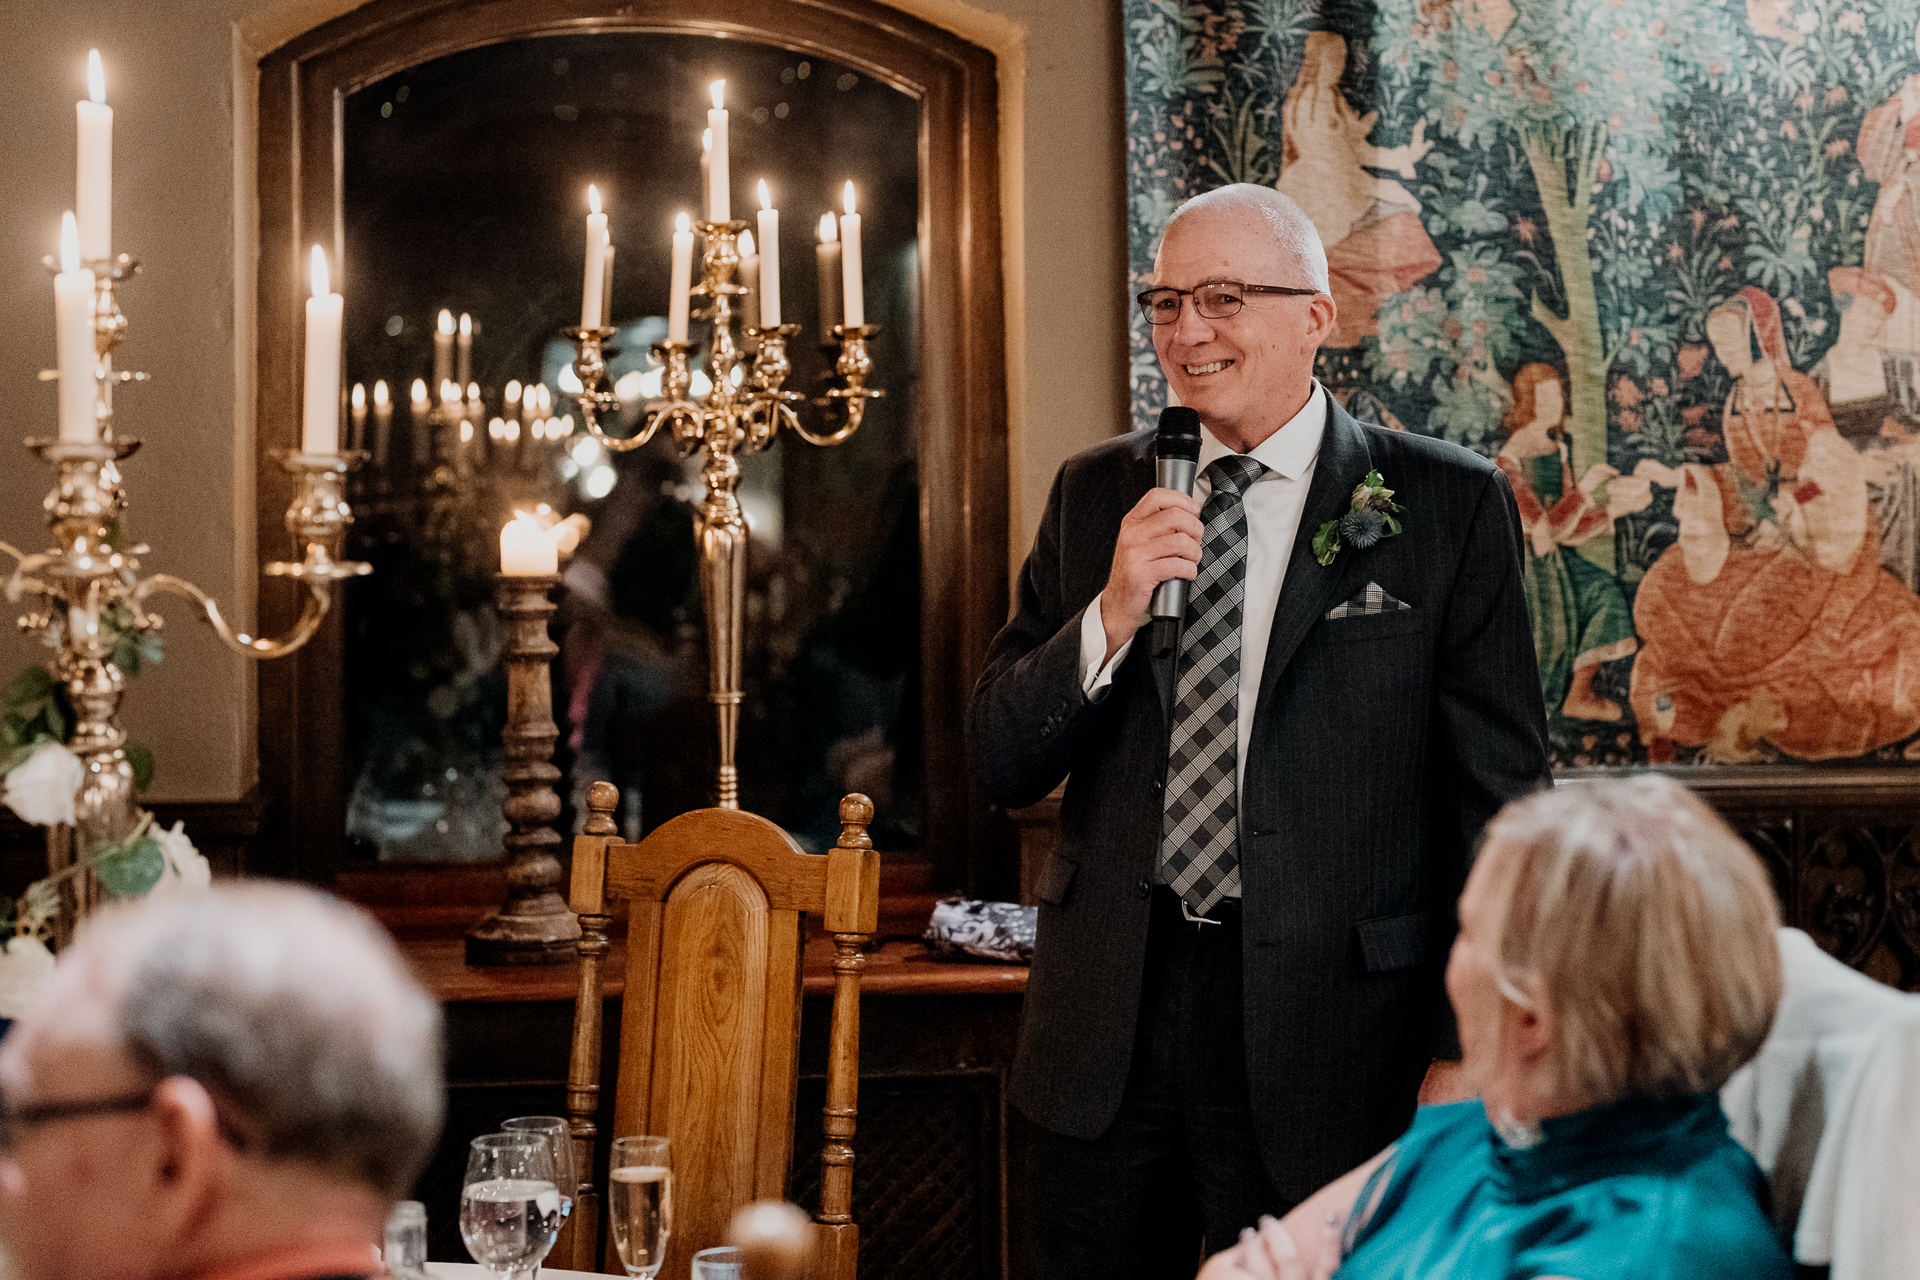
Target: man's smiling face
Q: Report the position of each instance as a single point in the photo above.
(1247, 374)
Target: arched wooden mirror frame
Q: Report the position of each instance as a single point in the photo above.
(963, 444)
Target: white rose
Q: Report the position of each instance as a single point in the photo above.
(41, 789)
(24, 966)
(187, 871)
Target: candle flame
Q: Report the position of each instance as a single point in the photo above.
(846, 198)
(513, 391)
(466, 325)
(69, 242)
(496, 428)
(466, 432)
(706, 141)
(682, 223)
(766, 201)
(593, 198)
(828, 232)
(419, 393)
(747, 249)
(322, 286)
(512, 432)
(96, 77)
(449, 389)
(719, 91)
(359, 396)
(381, 396)
(473, 391)
(446, 322)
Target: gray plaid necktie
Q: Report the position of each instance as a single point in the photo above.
(1200, 841)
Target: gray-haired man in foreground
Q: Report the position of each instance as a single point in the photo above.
(233, 1086)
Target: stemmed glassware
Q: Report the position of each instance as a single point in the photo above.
(511, 1205)
(559, 1139)
(640, 1202)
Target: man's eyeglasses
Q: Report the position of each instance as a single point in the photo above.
(1215, 300)
(14, 1120)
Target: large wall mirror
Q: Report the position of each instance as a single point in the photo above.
(443, 151)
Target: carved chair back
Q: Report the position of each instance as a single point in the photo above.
(710, 1021)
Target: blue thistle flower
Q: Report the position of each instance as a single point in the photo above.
(1362, 528)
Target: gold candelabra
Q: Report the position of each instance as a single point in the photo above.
(86, 592)
(748, 416)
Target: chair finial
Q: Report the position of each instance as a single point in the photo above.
(602, 799)
(856, 813)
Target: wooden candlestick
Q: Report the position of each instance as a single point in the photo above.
(534, 926)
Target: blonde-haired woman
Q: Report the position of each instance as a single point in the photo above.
(1615, 964)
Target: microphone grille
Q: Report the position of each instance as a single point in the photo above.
(1179, 433)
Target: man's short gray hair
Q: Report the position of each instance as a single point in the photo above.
(1292, 230)
(295, 1011)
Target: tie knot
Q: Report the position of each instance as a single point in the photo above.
(1233, 474)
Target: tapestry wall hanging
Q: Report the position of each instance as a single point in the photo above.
(1661, 262)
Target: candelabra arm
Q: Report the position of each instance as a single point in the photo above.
(312, 613)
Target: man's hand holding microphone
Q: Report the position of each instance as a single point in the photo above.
(1158, 550)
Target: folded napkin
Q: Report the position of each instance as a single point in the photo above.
(1000, 931)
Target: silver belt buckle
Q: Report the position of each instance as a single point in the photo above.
(1187, 913)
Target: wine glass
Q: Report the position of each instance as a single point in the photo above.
(560, 1138)
(640, 1202)
(511, 1206)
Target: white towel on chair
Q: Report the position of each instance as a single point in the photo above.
(1830, 1109)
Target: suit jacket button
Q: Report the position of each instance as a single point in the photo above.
(1144, 888)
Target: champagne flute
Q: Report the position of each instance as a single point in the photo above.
(511, 1206)
(640, 1202)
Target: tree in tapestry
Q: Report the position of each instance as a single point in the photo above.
(1661, 262)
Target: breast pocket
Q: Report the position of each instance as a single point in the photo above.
(1377, 626)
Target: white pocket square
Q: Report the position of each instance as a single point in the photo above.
(1369, 602)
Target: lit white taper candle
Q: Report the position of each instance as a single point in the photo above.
(382, 422)
(682, 282)
(855, 304)
(719, 206)
(73, 339)
(769, 259)
(526, 549)
(595, 279)
(321, 424)
(357, 416)
(463, 351)
(93, 186)
(443, 348)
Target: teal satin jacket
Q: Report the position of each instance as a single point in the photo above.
(1642, 1189)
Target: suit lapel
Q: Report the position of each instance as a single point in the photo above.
(1310, 589)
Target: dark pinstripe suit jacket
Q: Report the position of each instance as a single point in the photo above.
(1381, 746)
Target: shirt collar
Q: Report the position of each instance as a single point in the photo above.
(1287, 452)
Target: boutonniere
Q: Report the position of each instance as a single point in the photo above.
(1369, 519)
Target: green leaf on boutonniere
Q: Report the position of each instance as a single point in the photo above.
(1326, 543)
(141, 759)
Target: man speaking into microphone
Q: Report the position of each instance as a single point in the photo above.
(1273, 794)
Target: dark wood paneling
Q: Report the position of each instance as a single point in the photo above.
(963, 445)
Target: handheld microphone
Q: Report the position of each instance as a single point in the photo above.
(1176, 454)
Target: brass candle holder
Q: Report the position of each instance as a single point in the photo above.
(535, 926)
(730, 418)
(86, 592)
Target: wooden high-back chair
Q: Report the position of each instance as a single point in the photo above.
(710, 1023)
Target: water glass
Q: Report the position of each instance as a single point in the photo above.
(406, 1241)
(722, 1263)
(640, 1202)
(559, 1138)
(511, 1206)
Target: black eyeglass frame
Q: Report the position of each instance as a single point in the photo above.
(14, 1120)
(1235, 286)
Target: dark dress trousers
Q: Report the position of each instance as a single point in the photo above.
(1381, 745)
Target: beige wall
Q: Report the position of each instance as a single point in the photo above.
(177, 138)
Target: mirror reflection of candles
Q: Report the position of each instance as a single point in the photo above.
(465, 181)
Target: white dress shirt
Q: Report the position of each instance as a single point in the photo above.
(1274, 505)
